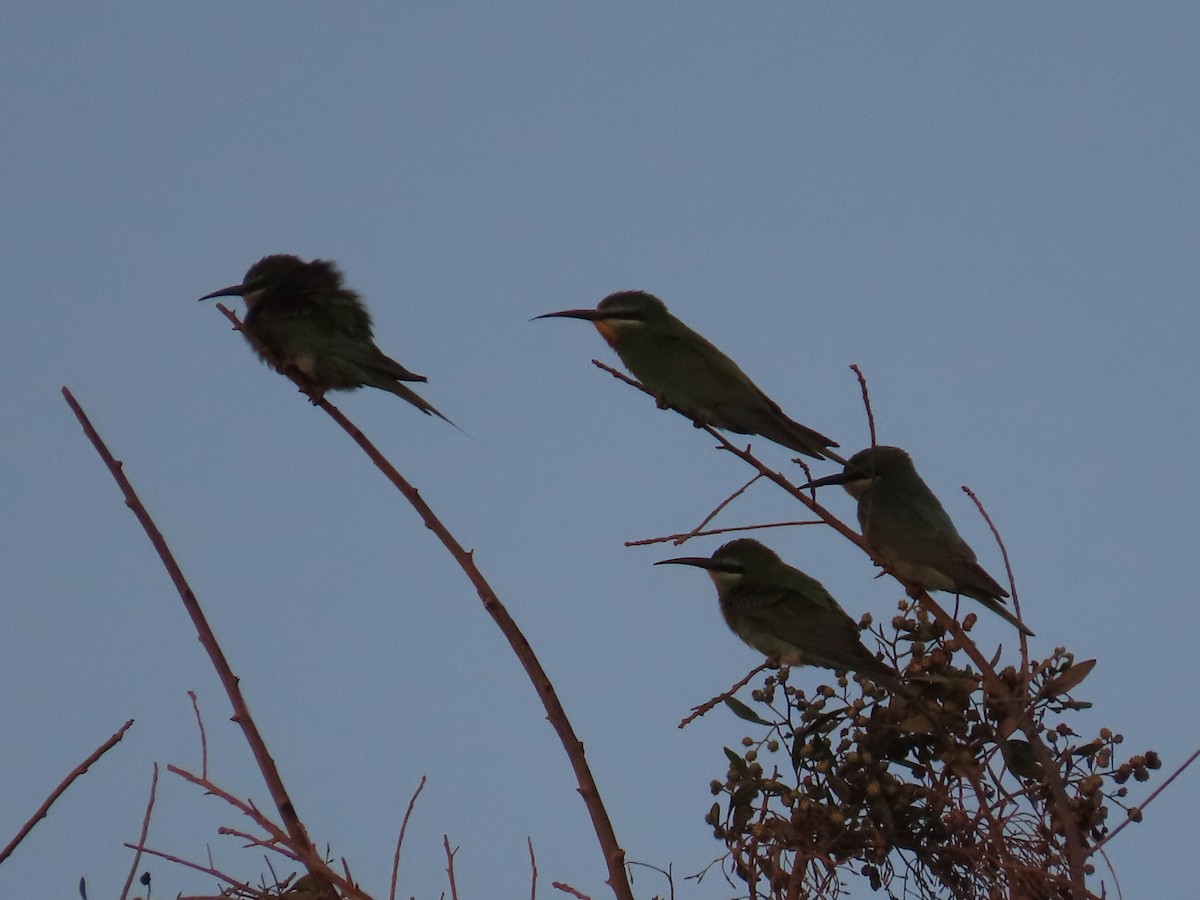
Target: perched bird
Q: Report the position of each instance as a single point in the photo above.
(785, 614)
(301, 319)
(908, 530)
(688, 374)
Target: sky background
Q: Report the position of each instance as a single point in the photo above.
(993, 209)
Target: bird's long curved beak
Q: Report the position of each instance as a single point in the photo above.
(234, 290)
(839, 478)
(700, 562)
(591, 315)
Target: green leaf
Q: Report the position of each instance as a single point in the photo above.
(742, 711)
(736, 763)
(1018, 756)
(1068, 679)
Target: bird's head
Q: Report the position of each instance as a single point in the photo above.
(283, 274)
(618, 314)
(866, 467)
(731, 562)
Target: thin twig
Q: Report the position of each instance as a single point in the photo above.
(450, 866)
(1008, 571)
(278, 840)
(717, 510)
(400, 840)
(203, 737)
(665, 873)
(567, 889)
(62, 786)
(1113, 872)
(866, 395)
(208, 870)
(1154, 793)
(1077, 851)
(698, 711)
(241, 713)
(533, 868)
(614, 856)
(137, 856)
(733, 529)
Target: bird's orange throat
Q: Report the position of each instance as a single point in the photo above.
(607, 332)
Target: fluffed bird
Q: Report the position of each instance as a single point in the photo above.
(785, 614)
(688, 374)
(908, 530)
(301, 319)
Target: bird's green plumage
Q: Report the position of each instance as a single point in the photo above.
(907, 528)
(784, 613)
(689, 374)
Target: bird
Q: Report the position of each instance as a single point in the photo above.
(688, 374)
(301, 319)
(907, 529)
(784, 613)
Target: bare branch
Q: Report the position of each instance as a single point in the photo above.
(203, 737)
(866, 396)
(62, 786)
(698, 711)
(450, 866)
(567, 889)
(614, 856)
(1008, 571)
(717, 510)
(241, 713)
(1135, 817)
(533, 867)
(735, 529)
(400, 840)
(137, 856)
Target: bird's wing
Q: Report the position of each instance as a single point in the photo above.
(339, 327)
(332, 315)
(690, 366)
(924, 535)
(811, 621)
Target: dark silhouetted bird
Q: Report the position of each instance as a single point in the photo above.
(301, 319)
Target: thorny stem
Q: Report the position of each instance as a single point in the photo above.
(241, 713)
(614, 856)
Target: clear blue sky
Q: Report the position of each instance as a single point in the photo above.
(993, 209)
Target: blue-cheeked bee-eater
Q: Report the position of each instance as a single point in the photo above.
(688, 374)
(908, 530)
(301, 319)
(785, 614)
